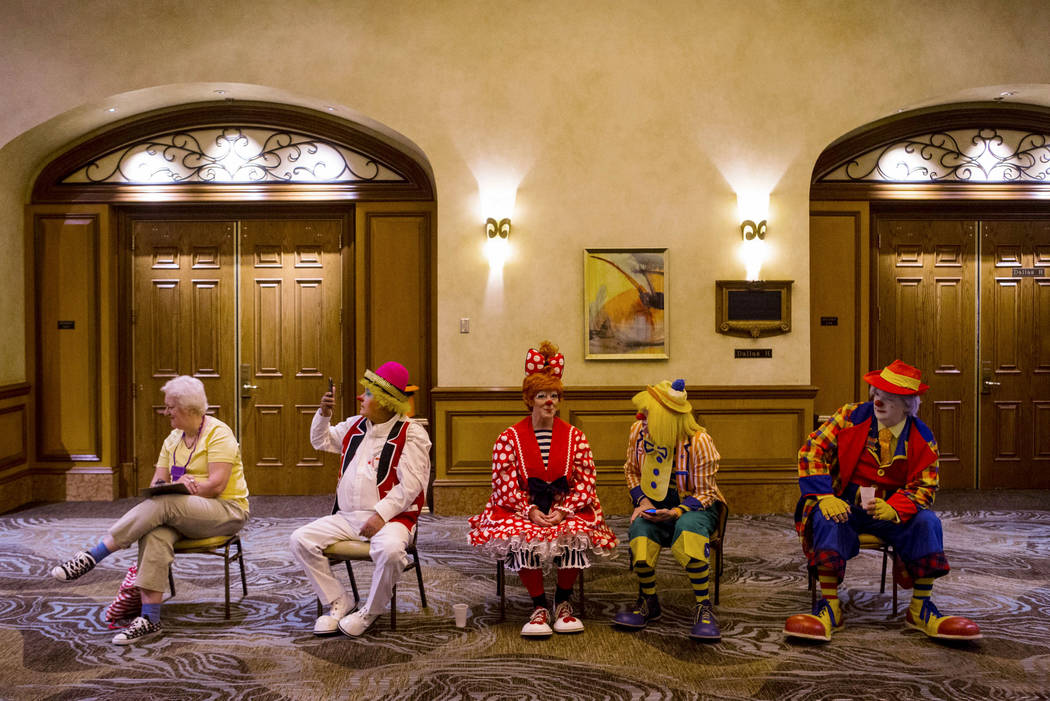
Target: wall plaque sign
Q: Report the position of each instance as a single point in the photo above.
(753, 308)
(752, 352)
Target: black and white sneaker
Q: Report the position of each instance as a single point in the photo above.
(79, 565)
(140, 629)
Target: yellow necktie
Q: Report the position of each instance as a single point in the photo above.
(886, 446)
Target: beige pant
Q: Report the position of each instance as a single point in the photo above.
(159, 521)
(387, 548)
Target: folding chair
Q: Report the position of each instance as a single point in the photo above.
(218, 546)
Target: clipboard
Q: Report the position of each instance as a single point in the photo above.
(166, 488)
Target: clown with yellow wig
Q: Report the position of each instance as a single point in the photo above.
(383, 470)
(670, 470)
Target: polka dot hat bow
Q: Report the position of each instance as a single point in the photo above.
(536, 362)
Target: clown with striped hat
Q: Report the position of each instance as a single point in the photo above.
(670, 471)
(384, 467)
(882, 448)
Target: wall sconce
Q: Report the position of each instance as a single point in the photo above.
(753, 247)
(749, 230)
(500, 228)
(497, 242)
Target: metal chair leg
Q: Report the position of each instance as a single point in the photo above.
(885, 555)
(893, 611)
(583, 600)
(393, 607)
(501, 591)
(240, 561)
(353, 584)
(419, 578)
(226, 567)
(718, 571)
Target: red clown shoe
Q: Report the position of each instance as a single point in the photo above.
(816, 626)
(932, 623)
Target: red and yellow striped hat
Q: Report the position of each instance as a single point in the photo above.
(897, 378)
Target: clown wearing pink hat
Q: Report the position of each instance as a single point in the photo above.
(384, 467)
(879, 445)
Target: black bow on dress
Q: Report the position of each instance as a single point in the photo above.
(544, 493)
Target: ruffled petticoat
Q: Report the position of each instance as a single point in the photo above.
(521, 544)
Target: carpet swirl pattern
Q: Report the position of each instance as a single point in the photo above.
(55, 645)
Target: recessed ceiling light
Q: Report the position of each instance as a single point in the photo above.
(219, 92)
(111, 109)
(329, 108)
(1007, 93)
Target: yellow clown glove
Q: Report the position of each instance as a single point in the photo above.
(883, 511)
(831, 506)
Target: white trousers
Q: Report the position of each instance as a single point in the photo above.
(387, 548)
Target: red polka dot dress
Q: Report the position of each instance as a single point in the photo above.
(504, 530)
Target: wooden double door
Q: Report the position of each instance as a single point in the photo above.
(968, 302)
(251, 307)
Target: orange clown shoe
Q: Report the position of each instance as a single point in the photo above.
(932, 623)
(816, 626)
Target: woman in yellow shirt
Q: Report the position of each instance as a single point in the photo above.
(200, 453)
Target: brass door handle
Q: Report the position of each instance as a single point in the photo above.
(987, 383)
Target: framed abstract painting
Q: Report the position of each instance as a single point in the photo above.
(625, 307)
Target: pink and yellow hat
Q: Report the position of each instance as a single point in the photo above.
(897, 378)
(389, 385)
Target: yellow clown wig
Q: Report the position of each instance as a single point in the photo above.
(669, 411)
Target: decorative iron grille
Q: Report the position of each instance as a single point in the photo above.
(985, 155)
(233, 155)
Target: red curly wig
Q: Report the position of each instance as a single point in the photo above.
(543, 380)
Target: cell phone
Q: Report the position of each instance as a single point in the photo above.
(650, 511)
(331, 386)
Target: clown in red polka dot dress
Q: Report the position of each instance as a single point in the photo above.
(544, 512)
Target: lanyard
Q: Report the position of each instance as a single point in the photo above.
(178, 470)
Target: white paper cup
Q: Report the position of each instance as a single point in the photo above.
(867, 495)
(460, 611)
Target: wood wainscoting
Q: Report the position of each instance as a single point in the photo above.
(756, 475)
(16, 484)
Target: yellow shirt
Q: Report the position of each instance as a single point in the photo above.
(216, 444)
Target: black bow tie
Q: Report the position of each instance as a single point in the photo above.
(543, 493)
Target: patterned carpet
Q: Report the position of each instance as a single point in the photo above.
(53, 644)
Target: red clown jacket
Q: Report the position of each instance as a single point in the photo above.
(829, 457)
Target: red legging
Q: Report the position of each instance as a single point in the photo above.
(533, 579)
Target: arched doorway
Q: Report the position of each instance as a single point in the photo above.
(252, 245)
(939, 218)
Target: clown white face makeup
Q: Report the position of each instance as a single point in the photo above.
(890, 409)
(544, 407)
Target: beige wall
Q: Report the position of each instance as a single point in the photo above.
(619, 123)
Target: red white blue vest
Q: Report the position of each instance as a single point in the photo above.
(386, 471)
